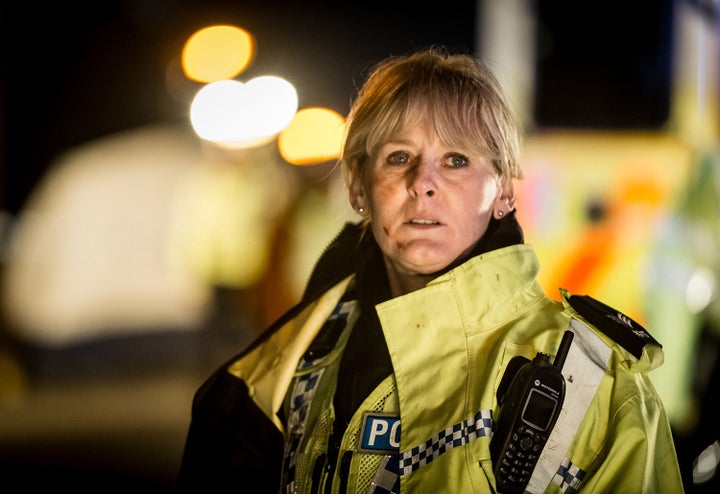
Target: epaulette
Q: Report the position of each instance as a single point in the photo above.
(621, 328)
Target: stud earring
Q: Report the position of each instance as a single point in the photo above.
(500, 214)
(361, 210)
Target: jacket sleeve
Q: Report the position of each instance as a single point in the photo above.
(641, 455)
(231, 444)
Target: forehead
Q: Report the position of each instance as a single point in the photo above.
(418, 135)
(429, 126)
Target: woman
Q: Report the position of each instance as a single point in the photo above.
(388, 375)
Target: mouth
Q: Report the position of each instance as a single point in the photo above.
(423, 222)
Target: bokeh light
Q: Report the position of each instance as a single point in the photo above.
(236, 114)
(700, 290)
(313, 136)
(273, 102)
(217, 52)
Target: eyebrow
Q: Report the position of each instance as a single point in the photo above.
(397, 142)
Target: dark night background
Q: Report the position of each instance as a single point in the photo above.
(71, 72)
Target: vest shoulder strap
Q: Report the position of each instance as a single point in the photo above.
(618, 326)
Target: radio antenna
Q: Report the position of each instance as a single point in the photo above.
(563, 349)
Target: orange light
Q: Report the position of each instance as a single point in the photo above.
(313, 136)
(217, 52)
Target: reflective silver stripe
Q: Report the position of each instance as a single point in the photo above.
(583, 370)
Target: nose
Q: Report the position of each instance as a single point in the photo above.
(423, 179)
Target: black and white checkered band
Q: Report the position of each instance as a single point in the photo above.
(456, 435)
(301, 398)
(341, 311)
(386, 479)
(569, 477)
(302, 394)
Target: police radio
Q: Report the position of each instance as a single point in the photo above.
(530, 396)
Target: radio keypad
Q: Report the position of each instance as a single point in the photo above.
(519, 459)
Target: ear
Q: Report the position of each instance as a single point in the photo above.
(505, 201)
(357, 198)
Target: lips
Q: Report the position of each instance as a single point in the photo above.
(423, 222)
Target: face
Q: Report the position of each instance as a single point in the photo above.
(429, 203)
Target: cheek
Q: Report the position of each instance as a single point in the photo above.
(383, 185)
(488, 197)
(384, 190)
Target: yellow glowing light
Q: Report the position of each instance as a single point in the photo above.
(314, 135)
(235, 114)
(217, 52)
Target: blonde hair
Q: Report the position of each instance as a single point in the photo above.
(456, 95)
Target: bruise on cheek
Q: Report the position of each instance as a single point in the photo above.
(383, 186)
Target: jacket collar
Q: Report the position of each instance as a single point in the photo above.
(354, 250)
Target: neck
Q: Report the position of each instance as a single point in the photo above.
(402, 283)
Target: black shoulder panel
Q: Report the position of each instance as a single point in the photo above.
(622, 329)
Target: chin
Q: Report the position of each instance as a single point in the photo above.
(427, 266)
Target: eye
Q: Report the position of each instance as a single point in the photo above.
(457, 161)
(398, 158)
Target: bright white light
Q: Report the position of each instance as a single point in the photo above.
(233, 113)
(699, 290)
(274, 103)
(215, 109)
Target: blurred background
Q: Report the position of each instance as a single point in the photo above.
(167, 182)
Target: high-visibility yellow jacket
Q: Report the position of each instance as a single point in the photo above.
(450, 344)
